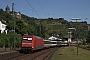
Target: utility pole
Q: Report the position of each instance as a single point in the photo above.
(13, 25)
(76, 32)
(40, 27)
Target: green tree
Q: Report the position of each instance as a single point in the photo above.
(4, 40)
(88, 37)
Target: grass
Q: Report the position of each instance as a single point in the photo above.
(65, 53)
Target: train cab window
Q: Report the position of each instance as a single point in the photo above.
(25, 38)
(29, 38)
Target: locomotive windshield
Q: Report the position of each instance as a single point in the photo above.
(27, 38)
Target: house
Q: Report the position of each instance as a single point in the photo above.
(3, 26)
(18, 15)
(52, 38)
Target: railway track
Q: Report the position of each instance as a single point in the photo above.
(40, 55)
(44, 55)
(9, 55)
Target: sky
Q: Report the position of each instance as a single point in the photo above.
(66, 9)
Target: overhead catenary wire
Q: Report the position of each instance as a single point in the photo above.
(41, 8)
(33, 9)
(36, 14)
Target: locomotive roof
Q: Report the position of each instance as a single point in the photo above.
(27, 34)
(31, 35)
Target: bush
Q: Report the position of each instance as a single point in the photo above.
(8, 40)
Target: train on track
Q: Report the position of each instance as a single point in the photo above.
(32, 43)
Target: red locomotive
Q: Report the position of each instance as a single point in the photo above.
(30, 43)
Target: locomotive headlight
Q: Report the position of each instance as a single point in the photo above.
(32, 47)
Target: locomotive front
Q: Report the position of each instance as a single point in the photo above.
(26, 44)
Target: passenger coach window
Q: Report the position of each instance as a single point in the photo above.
(46, 42)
